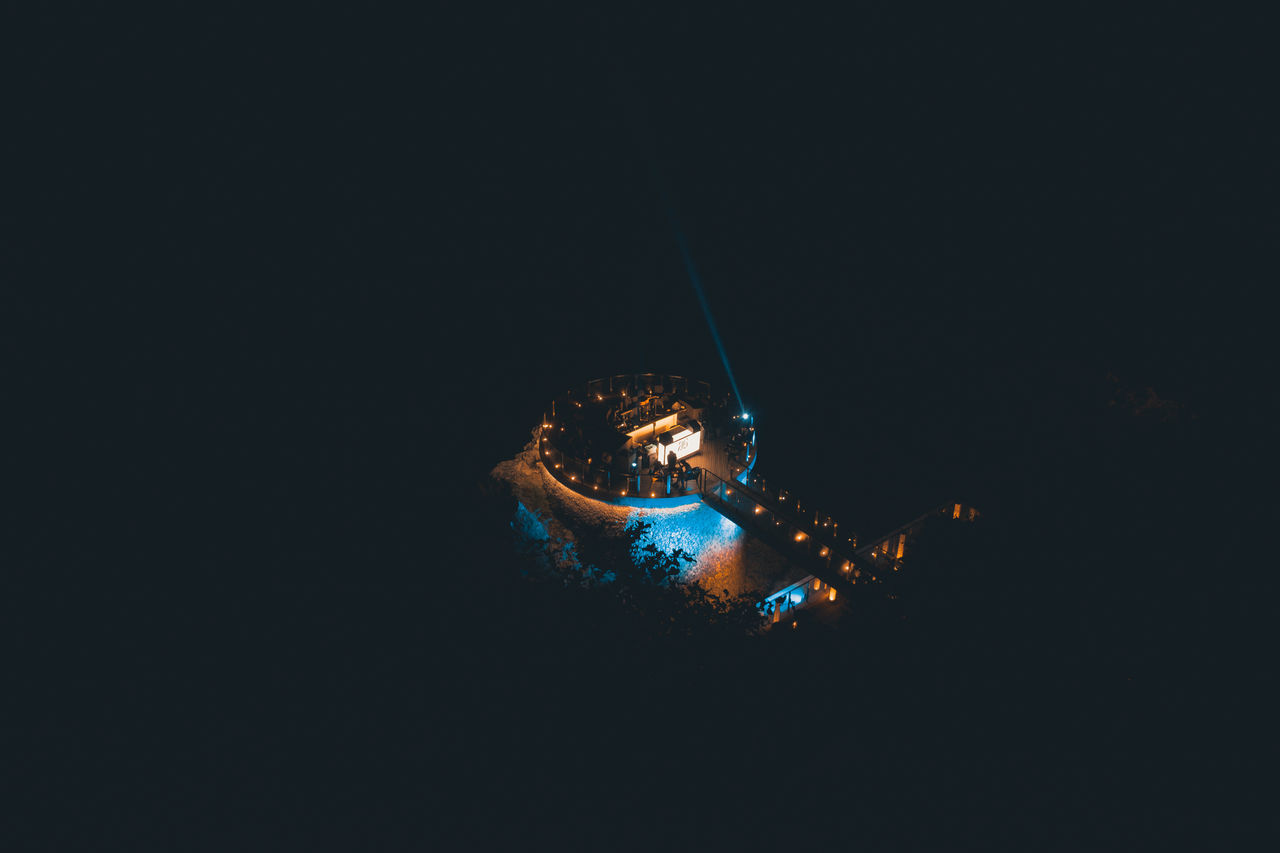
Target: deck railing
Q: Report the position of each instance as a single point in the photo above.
(610, 480)
(647, 383)
(616, 478)
(812, 538)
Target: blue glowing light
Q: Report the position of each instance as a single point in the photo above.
(696, 529)
(696, 280)
(729, 530)
(529, 525)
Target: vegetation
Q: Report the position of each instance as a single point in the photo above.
(652, 585)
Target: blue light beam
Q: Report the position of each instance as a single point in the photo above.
(696, 280)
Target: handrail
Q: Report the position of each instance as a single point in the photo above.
(796, 535)
(592, 476)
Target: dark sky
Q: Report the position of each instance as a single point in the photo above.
(999, 190)
(291, 286)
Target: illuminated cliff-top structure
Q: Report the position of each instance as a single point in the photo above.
(645, 439)
(660, 441)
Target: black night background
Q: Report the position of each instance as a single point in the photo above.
(284, 291)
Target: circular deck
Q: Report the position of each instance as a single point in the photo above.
(613, 440)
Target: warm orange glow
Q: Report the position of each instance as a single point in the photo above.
(653, 494)
(824, 552)
(759, 510)
(956, 513)
(845, 567)
(650, 430)
(902, 542)
(799, 537)
(832, 596)
(573, 476)
(817, 584)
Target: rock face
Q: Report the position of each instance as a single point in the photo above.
(727, 558)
